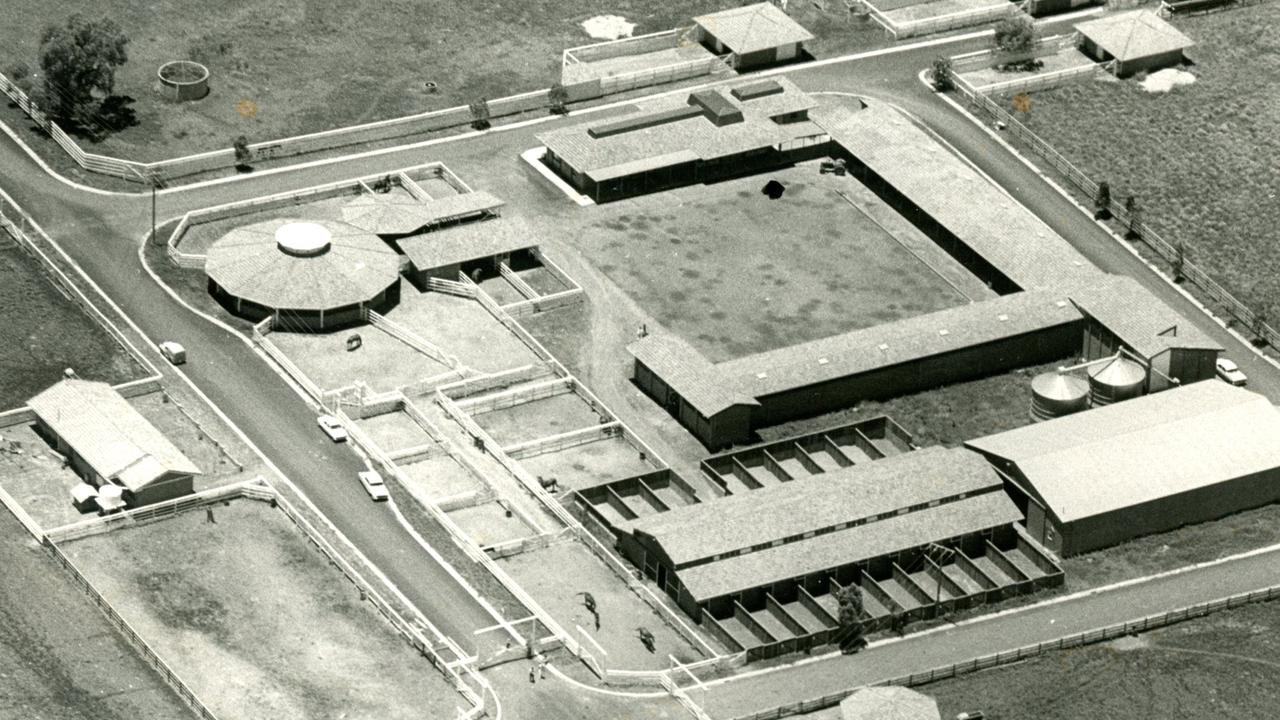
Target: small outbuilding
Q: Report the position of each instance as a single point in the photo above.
(1138, 41)
(108, 442)
(466, 248)
(1103, 476)
(752, 36)
(888, 703)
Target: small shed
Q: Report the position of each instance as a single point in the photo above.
(1138, 41)
(752, 36)
(467, 247)
(888, 703)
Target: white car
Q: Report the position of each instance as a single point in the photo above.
(1229, 372)
(373, 485)
(173, 352)
(332, 427)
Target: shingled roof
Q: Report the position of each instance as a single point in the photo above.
(1132, 35)
(753, 28)
(1140, 319)
(468, 241)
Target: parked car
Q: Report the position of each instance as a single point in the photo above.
(373, 485)
(1229, 372)
(173, 352)
(332, 427)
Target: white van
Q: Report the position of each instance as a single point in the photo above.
(173, 352)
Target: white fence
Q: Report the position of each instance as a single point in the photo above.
(899, 29)
(413, 340)
(293, 371)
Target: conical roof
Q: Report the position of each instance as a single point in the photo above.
(1119, 371)
(1059, 386)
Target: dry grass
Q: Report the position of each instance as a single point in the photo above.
(1201, 158)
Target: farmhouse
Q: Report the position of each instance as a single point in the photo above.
(305, 275)
(1147, 465)
(679, 140)
(867, 524)
(752, 36)
(107, 440)
(466, 247)
(1138, 41)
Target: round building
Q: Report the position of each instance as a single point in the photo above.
(306, 275)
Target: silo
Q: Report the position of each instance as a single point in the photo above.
(1117, 379)
(1055, 394)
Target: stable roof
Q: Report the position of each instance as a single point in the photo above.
(859, 543)
(1140, 319)
(112, 437)
(817, 504)
(383, 215)
(468, 241)
(664, 133)
(753, 28)
(1139, 450)
(687, 372)
(1133, 35)
(955, 194)
(353, 267)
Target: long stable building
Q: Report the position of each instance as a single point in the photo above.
(1098, 478)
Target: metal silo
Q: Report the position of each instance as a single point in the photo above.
(1056, 394)
(1117, 379)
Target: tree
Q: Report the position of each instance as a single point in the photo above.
(20, 74)
(942, 74)
(559, 98)
(1015, 34)
(243, 153)
(79, 61)
(1134, 211)
(1179, 261)
(1259, 329)
(480, 114)
(851, 633)
(1102, 202)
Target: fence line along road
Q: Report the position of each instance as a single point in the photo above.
(1109, 632)
(1173, 253)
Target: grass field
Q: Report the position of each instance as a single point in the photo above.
(59, 658)
(948, 415)
(285, 67)
(45, 333)
(257, 622)
(1226, 665)
(1202, 158)
(735, 272)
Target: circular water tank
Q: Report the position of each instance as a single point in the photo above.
(1115, 380)
(184, 80)
(1054, 395)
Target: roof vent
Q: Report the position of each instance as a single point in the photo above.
(1061, 303)
(761, 375)
(883, 346)
(1002, 318)
(944, 331)
(823, 361)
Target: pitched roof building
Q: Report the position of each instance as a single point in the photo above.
(1136, 40)
(753, 35)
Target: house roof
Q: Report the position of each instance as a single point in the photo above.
(382, 215)
(1139, 450)
(1133, 35)
(978, 212)
(688, 373)
(249, 263)
(468, 241)
(109, 433)
(855, 544)
(1140, 319)
(753, 28)
(665, 131)
(890, 702)
(816, 504)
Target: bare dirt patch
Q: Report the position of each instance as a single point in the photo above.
(462, 327)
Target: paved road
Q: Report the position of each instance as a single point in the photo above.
(743, 695)
(102, 234)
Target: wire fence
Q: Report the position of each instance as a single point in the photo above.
(1109, 632)
(1173, 253)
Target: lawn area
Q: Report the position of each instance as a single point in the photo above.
(948, 415)
(46, 333)
(285, 67)
(735, 273)
(1202, 158)
(1226, 665)
(538, 418)
(59, 657)
(257, 622)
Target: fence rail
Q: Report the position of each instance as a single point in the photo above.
(984, 662)
(1173, 253)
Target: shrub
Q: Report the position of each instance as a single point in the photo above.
(1015, 34)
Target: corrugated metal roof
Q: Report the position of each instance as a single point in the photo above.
(1143, 449)
(109, 433)
(468, 241)
(861, 542)
(1140, 319)
(1133, 35)
(397, 216)
(704, 530)
(951, 191)
(652, 146)
(248, 263)
(753, 28)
